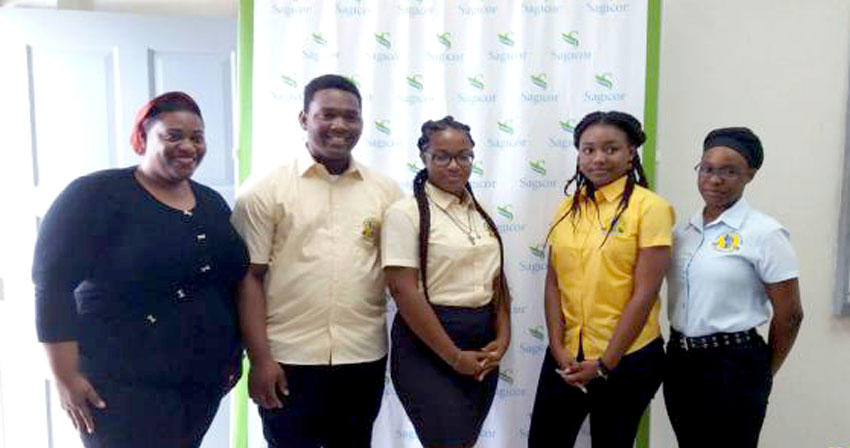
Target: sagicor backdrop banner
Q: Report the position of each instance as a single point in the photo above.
(520, 73)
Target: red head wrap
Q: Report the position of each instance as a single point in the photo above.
(167, 102)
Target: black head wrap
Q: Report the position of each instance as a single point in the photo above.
(740, 139)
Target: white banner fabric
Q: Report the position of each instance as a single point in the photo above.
(520, 73)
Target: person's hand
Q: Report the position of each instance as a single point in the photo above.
(76, 395)
(566, 365)
(265, 380)
(562, 358)
(469, 362)
(495, 350)
(579, 374)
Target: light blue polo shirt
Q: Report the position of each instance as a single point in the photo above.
(716, 279)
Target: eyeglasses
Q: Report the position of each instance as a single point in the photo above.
(443, 159)
(723, 172)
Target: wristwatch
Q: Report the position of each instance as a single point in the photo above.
(602, 371)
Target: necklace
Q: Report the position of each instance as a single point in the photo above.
(470, 229)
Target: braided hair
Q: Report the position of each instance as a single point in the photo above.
(429, 128)
(585, 191)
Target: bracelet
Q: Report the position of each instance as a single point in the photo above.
(602, 370)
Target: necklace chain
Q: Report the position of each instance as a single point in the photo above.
(470, 230)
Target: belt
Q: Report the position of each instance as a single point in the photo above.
(716, 340)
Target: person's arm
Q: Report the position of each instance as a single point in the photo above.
(255, 217)
(649, 273)
(266, 377)
(420, 317)
(68, 238)
(496, 349)
(76, 394)
(787, 318)
(555, 319)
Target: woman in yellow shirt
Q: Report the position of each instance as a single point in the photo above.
(609, 249)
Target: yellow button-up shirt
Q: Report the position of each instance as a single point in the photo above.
(463, 253)
(319, 234)
(596, 280)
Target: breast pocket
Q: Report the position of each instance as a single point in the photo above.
(363, 233)
(452, 268)
(620, 250)
(367, 231)
(567, 255)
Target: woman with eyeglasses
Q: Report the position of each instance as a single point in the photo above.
(732, 264)
(444, 264)
(609, 249)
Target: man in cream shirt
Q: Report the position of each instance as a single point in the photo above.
(312, 308)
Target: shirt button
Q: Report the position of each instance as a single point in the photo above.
(151, 319)
(205, 268)
(201, 237)
(180, 293)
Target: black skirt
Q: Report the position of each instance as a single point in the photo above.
(445, 407)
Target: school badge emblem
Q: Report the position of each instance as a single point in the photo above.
(728, 242)
(618, 227)
(371, 229)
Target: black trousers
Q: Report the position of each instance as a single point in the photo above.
(615, 405)
(718, 396)
(139, 415)
(328, 406)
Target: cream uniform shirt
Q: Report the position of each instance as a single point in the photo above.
(319, 234)
(463, 253)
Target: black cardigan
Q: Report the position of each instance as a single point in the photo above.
(145, 289)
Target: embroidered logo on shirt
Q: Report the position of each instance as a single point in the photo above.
(728, 242)
(618, 227)
(371, 229)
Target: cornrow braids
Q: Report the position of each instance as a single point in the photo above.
(585, 191)
(431, 126)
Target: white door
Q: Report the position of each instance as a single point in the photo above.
(70, 85)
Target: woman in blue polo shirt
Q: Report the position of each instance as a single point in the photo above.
(731, 265)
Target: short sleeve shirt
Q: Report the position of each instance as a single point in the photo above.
(319, 234)
(595, 259)
(717, 276)
(463, 253)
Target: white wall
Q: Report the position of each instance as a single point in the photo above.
(781, 68)
(226, 8)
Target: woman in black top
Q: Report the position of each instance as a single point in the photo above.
(135, 271)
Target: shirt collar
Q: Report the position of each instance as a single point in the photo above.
(445, 199)
(732, 217)
(614, 190)
(308, 165)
